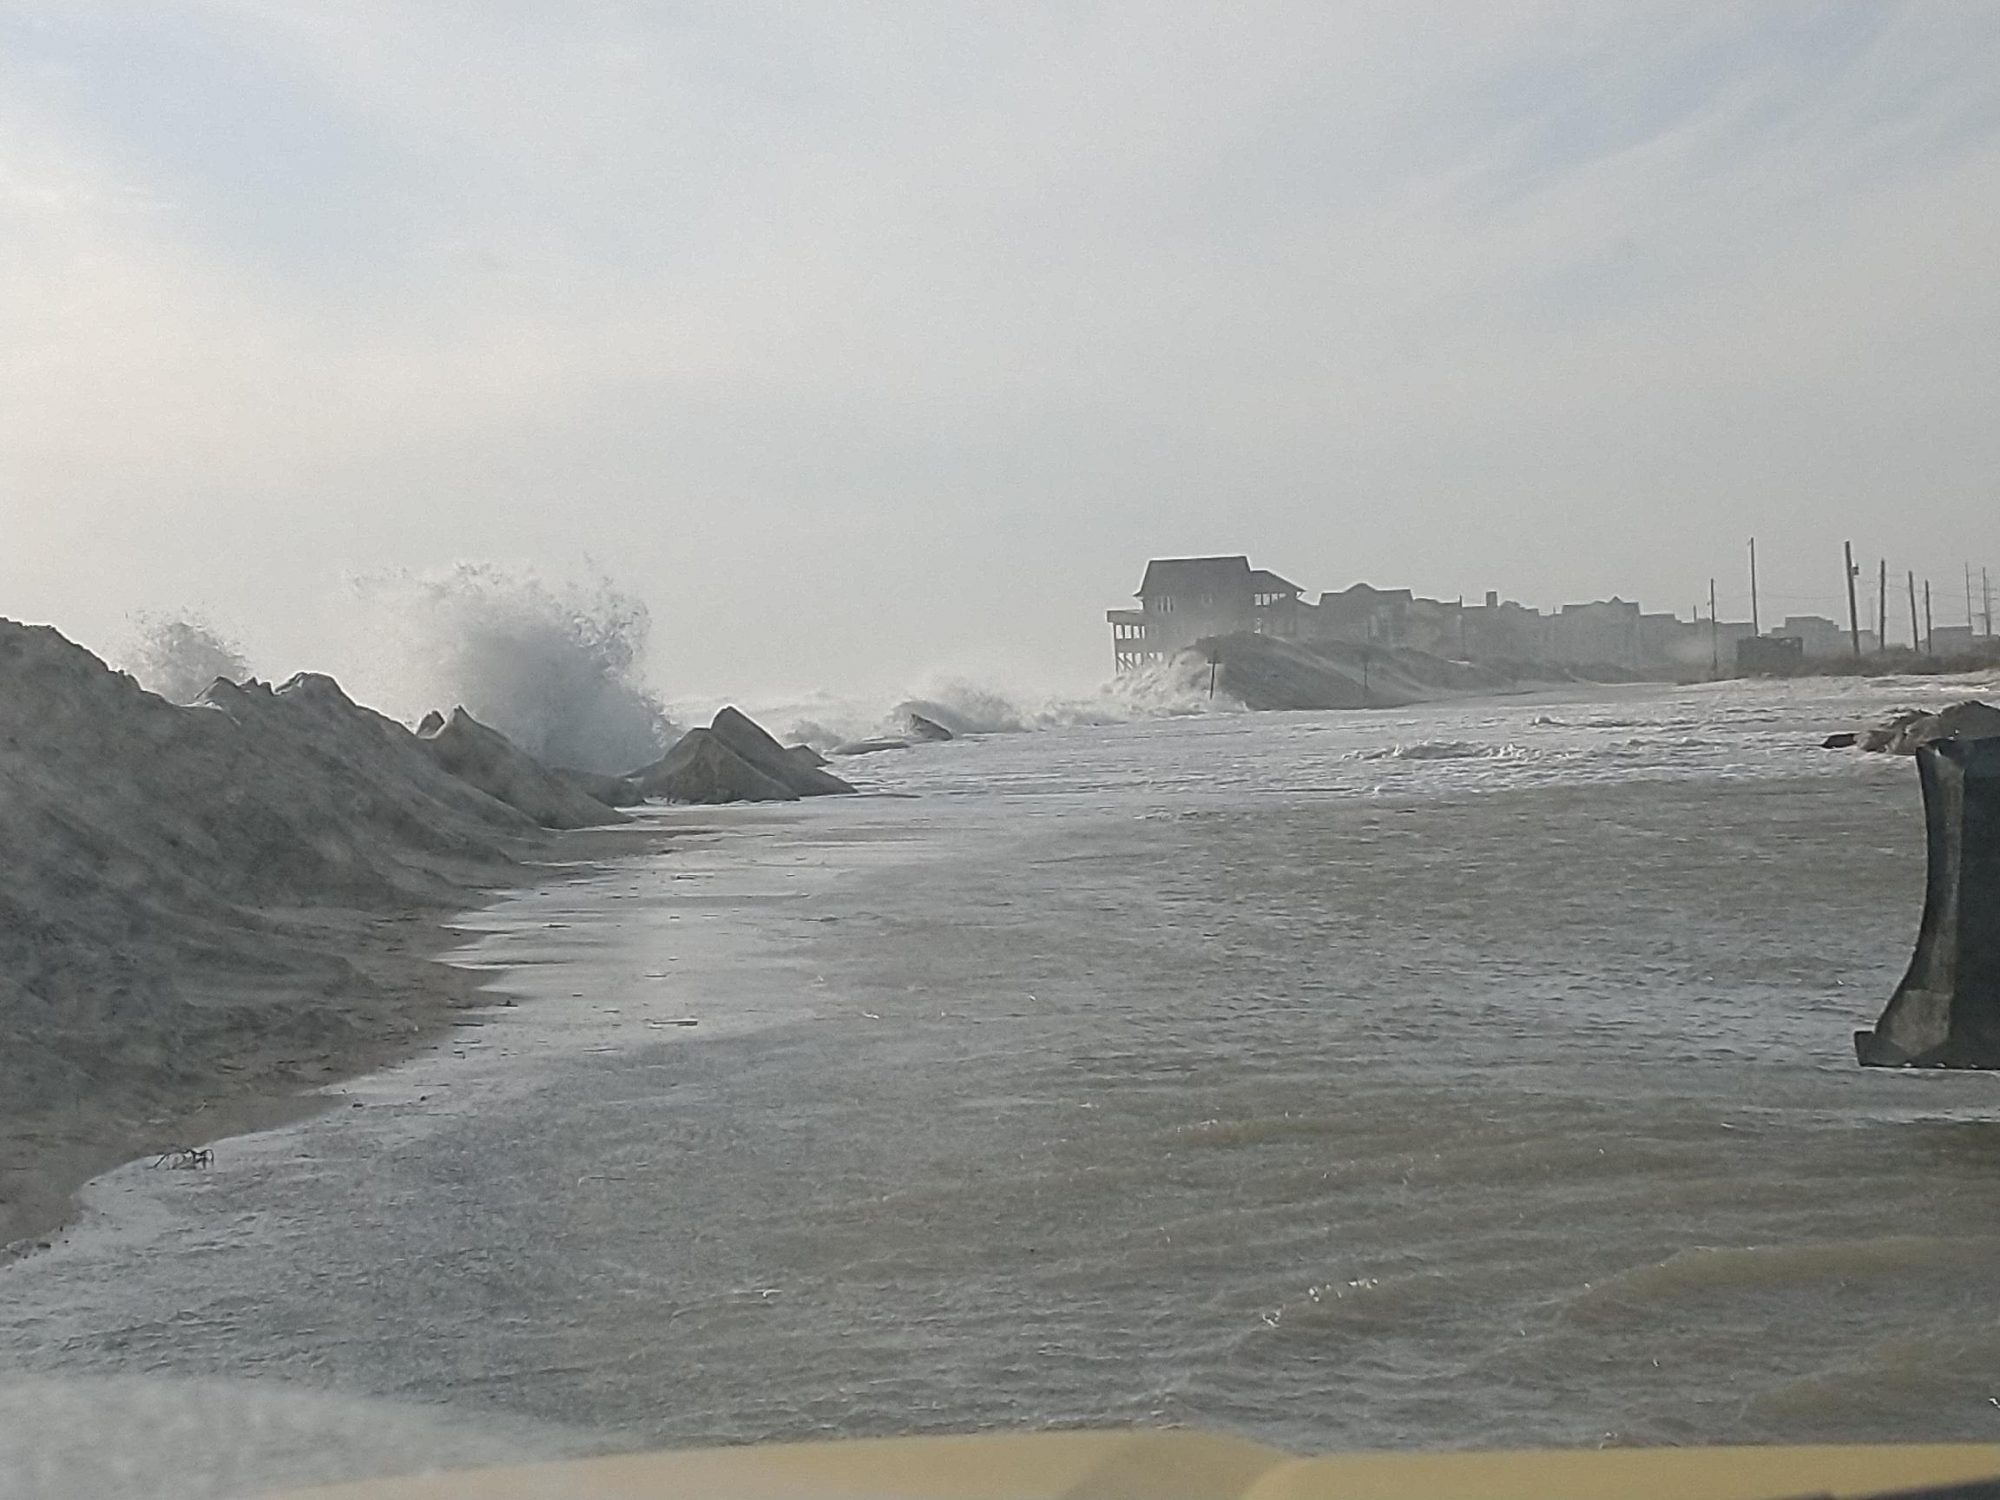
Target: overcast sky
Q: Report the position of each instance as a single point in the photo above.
(870, 341)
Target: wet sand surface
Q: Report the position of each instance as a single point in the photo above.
(389, 995)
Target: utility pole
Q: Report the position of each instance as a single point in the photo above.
(1930, 638)
(1714, 635)
(1882, 608)
(1971, 627)
(1986, 588)
(1756, 624)
(1853, 612)
(1916, 637)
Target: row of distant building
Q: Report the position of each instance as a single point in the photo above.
(1183, 600)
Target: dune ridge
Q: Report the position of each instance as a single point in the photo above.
(205, 909)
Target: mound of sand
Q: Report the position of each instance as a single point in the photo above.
(207, 901)
(1264, 672)
(749, 739)
(735, 760)
(702, 768)
(490, 761)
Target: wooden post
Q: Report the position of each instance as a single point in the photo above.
(1853, 614)
(1986, 588)
(1882, 608)
(1714, 635)
(1916, 637)
(1756, 623)
(1930, 638)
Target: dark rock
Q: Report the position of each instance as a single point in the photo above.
(486, 758)
(873, 746)
(806, 756)
(921, 728)
(1946, 1012)
(1841, 741)
(432, 723)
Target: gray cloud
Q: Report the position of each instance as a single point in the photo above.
(867, 343)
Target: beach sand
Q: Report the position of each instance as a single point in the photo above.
(208, 911)
(253, 1078)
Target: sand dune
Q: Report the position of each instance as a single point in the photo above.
(209, 905)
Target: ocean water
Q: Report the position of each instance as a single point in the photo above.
(1478, 1074)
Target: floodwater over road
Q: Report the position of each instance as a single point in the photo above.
(1468, 1075)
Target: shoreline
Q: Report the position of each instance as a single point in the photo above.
(417, 997)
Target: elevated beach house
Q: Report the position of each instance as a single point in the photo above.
(1186, 599)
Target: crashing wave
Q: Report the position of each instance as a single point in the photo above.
(178, 655)
(557, 669)
(1166, 690)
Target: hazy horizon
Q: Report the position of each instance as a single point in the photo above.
(865, 346)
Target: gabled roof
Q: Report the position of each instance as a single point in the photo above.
(1195, 575)
(1264, 581)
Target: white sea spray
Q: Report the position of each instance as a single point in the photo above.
(556, 667)
(965, 707)
(177, 654)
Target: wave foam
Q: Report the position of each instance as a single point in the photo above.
(1167, 690)
(1439, 750)
(178, 655)
(555, 669)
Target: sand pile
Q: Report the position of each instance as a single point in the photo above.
(206, 900)
(736, 760)
(487, 759)
(1264, 672)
